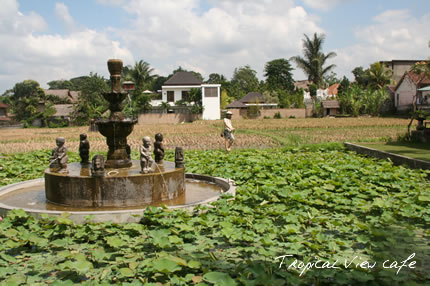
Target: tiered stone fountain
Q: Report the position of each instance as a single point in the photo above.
(118, 191)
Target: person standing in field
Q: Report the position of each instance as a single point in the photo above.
(228, 131)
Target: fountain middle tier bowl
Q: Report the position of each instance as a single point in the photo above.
(114, 97)
(125, 187)
(116, 128)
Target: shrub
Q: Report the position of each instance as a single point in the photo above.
(277, 115)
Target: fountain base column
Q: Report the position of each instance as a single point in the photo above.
(117, 156)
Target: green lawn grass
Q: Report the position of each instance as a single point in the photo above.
(413, 150)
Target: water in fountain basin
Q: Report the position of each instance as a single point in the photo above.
(34, 198)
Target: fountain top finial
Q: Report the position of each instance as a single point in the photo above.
(114, 66)
(115, 69)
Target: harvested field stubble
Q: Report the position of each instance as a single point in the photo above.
(203, 135)
(326, 122)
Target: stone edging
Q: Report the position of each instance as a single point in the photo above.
(396, 159)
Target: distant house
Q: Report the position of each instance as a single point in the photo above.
(63, 111)
(332, 90)
(304, 84)
(241, 106)
(252, 98)
(399, 67)
(64, 95)
(406, 90)
(178, 88)
(331, 107)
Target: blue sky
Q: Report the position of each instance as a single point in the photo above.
(47, 40)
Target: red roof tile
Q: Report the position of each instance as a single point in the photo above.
(332, 89)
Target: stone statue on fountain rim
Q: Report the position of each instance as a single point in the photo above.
(179, 157)
(159, 149)
(146, 160)
(59, 158)
(84, 149)
(98, 166)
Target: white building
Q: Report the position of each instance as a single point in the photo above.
(178, 88)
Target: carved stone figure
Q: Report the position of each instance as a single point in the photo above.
(98, 166)
(179, 157)
(59, 157)
(159, 148)
(84, 148)
(93, 126)
(145, 155)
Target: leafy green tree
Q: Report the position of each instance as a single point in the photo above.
(271, 97)
(278, 75)
(140, 74)
(165, 106)
(216, 78)
(313, 90)
(360, 76)
(373, 99)
(422, 68)
(343, 86)
(244, 80)
(331, 79)
(378, 76)
(91, 104)
(6, 97)
(25, 99)
(225, 99)
(61, 84)
(158, 82)
(351, 101)
(313, 61)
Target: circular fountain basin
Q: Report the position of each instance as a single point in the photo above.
(123, 187)
(30, 196)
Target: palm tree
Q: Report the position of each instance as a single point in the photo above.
(379, 77)
(314, 59)
(141, 74)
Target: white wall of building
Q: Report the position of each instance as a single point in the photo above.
(404, 94)
(177, 92)
(211, 105)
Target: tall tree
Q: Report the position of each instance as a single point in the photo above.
(361, 77)
(158, 82)
(313, 60)
(278, 74)
(25, 99)
(91, 104)
(244, 80)
(61, 84)
(140, 74)
(216, 78)
(378, 76)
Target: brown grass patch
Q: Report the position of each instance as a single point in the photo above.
(206, 134)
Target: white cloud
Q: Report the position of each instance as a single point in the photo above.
(29, 53)
(324, 5)
(394, 34)
(62, 13)
(229, 34)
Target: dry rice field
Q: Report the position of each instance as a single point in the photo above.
(260, 133)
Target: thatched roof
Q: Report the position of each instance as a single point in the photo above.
(63, 110)
(236, 104)
(330, 104)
